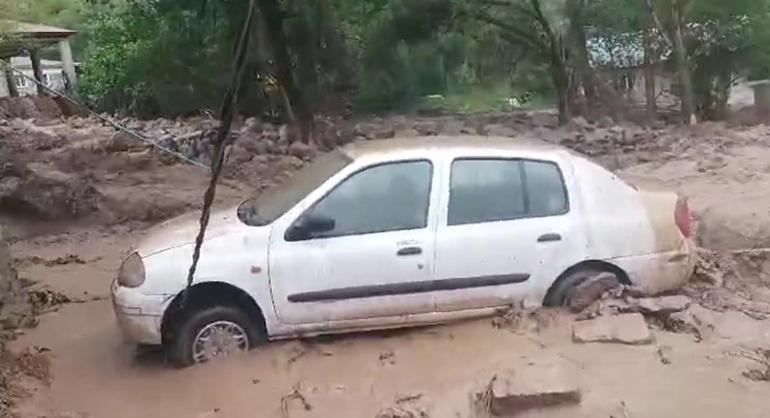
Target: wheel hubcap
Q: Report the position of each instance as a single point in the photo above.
(219, 339)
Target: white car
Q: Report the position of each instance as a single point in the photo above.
(400, 232)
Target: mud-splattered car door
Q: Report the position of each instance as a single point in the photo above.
(374, 256)
(506, 227)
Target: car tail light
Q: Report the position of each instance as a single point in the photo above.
(682, 217)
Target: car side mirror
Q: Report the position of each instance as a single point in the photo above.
(308, 226)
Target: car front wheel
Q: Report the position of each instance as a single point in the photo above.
(212, 333)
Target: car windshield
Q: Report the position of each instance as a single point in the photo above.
(274, 202)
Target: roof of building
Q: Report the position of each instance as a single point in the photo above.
(23, 33)
(38, 31)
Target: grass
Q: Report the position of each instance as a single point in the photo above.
(482, 99)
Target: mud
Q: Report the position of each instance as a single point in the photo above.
(84, 195)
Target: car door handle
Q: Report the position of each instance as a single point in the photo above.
(409, 251)
(549, 237)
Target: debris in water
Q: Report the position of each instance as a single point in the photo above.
(408, 398)
(405, 407)
(623, 411)
(388, 357)
(760, 356)
(664, 354)
(45, 299)
(296, 394)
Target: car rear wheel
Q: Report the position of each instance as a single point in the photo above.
(579, 289)
(213, 333)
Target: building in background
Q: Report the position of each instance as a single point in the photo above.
(22, 46)
(53, 77)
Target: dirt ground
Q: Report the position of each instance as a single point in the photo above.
(90, 372)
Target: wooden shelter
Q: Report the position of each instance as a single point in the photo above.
(28, 38)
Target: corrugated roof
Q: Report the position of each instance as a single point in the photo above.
(37, 30)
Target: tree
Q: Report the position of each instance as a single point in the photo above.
(543, 31)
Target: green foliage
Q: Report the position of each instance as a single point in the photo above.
(154, 58)
(168, 57)
(173, 58)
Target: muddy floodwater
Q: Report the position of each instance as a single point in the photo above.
(89, 194)
(95, 374)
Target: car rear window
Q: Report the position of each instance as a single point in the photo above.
(490, 190)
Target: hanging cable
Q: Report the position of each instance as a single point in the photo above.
(226, 114)
(107, 120)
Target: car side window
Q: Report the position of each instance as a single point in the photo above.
(385, 197)
(545, 188)
(489, 190)
(485, 190)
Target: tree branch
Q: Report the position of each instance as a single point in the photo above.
(505, 3)
(524, 36)
(658, 24)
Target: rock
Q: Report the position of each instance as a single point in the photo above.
(383, 133)
(543, 119)
(500, 130)
(605, 122)
(239, 155)
(426, 128)
(284, 135)
(251, 125)
(452, 127)
(663, 305)
(9, 186)
(363, 129)
(624, 329)
(260, 148)
(534, 386)
(168, 142)
(581, 123)
(271, 146)
(407, 133)
(302, 150)
(402, 411)
(120, 142)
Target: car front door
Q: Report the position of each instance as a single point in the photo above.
(363, 250)
(501, 231)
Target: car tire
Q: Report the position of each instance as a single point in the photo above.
(181, 348)
(575, 290)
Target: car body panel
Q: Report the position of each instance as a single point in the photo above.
(352, 263)
(464, 270)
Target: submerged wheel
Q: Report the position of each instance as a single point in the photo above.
(213, 333)
(579, 289)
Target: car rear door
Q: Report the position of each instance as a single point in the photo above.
(500, 234)
(376, 261)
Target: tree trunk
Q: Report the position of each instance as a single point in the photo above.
(10, 80)
(37, 69)
(580, 41)
(649, 76)
(300, 110)
(682, 67)
(560, 80)
(723, 86)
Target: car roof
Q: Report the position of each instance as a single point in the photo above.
(455, 144)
